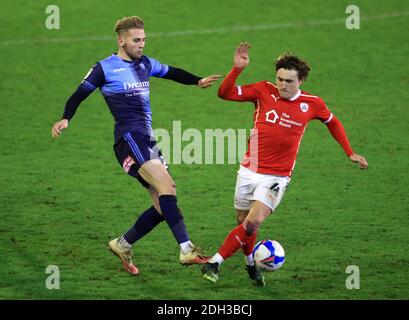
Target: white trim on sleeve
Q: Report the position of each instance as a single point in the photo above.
(329, 119)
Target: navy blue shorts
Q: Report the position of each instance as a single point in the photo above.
(133, 150)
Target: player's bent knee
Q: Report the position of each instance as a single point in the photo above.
(251, 226)
(159, 178)
(254, 220)
(170, 189)
(169, 185)
(166, 187)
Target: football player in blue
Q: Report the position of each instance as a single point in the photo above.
(123, 80)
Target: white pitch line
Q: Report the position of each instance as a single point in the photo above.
(260, 27)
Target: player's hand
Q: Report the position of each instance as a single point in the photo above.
(58, 127)
(363, 164)
(241, 56)
(208, 81)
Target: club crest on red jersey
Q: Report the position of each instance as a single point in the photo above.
(304, 107)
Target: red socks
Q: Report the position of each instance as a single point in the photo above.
(237, 238)
(250, 242)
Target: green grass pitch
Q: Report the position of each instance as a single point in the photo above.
(62, 200)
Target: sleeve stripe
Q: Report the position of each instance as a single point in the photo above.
(239, 90)
(88, 85)
(329, 119)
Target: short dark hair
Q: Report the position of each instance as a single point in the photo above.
(290, 61)
(127, 23)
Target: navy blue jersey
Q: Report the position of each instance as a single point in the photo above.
(125, 88)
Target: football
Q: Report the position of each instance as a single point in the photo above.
(269, 254)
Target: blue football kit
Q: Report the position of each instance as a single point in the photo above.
(125, 88)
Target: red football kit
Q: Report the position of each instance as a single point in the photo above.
(279, 124)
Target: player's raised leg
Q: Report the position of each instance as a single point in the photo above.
(243, 236)
(146, 222)
(156, 174)
(253, 271)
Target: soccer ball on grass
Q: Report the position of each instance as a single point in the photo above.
(269, 254)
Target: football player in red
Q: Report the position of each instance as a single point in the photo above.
(282, 112)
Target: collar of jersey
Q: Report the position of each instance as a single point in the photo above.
(296, 95)
(127, 61)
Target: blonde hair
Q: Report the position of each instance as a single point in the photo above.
(127, 23)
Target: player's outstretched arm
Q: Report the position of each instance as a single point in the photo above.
(338, 132)
(72, 105)
(187, 78)
(228, 89)
(363, 164)
(208, 81)
(94, 78)
(58, 127)
(241, 56)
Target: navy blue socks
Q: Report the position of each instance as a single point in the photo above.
(173, 217)
(151, 218)
(145, 223)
